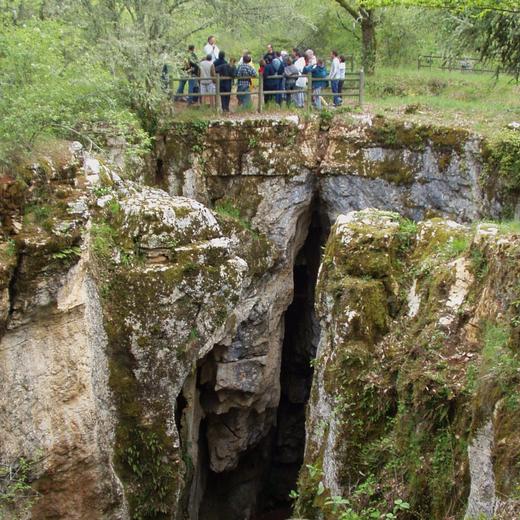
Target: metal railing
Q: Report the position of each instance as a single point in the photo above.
(353, 86)
(451, 63)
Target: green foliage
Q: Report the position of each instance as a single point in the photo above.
(226, 208)
(17, 496)
(11, 248)
(504, 159)
(509, 227)
(495, 35)
(455, 247)
(144, 458)
(500, 363)
(476, 101)
(103, 239)
(479, 263)
(457, 5)
(407, 233)
(405, 34)
(67, 254)
(101, 191)
(53, 85)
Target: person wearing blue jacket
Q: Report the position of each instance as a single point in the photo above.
(279, 66)
(319, 82)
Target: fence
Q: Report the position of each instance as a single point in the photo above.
(451, 64)
(353, 86)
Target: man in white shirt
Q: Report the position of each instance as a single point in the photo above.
(335, 77)
(211, 48)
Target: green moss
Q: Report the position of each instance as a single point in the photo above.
(398, 134)
(405, 396)
(503, 158)
(140, 316)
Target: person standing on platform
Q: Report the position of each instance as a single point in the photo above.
(342, 74)
(301, 82)
(270, 83)
(211, 48)
(319, 73)
(191, 68)
(291, 75)
(207, 83)
(335, 78)
(279, 66)
(270, 53)
(226, 71)
(244, 74)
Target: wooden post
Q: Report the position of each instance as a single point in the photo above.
(218, 99)
(260, 92)
(309, 92)
(361, 87)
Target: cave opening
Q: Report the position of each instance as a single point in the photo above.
(299, 349)
(257, 487)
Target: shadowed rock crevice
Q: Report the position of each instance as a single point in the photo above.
(299, 349)
(247, 466)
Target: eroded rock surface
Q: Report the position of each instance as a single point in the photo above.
(418, 323)
(141, 329)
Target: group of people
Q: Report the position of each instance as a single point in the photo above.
(282, 72)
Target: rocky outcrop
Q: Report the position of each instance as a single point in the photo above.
(141, 326)
(418, 324)
(418, 171)
(175, 316)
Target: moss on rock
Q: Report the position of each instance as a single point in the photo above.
(407, 391)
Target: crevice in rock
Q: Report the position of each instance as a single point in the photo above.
(159, 172)
(244, 467)
(299, 349)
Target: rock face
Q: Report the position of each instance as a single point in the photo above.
(417, 171)
(142, 329)
(56, 405)
(408, 400)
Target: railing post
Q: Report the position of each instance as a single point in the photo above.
(309, 92)
(260, 92)
(361, 87)
(218, 99)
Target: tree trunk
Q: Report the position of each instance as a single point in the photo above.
(368, 41)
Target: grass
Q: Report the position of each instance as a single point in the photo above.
(505, 227)
(479, 102)
(510, 227)
(455, 247)
(499, 360)
(227, 209)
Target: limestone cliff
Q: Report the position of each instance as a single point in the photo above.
(156, 335)
(415, 395)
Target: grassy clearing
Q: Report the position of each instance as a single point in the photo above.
(478, 102)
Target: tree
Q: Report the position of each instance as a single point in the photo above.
(365, 16)
(496, 36)
(508, 6)
(500, 18)
(137, 37)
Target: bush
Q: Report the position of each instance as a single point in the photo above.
(52, 85)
